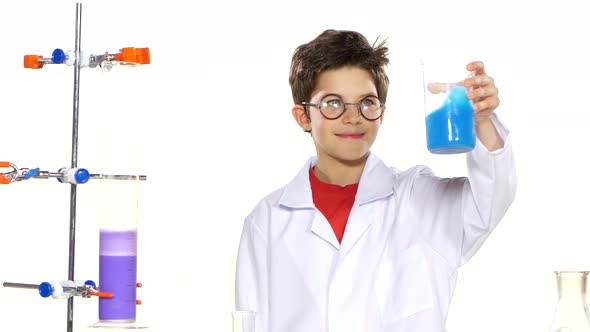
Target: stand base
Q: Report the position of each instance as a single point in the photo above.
(118, 325)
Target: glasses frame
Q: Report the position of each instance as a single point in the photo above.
(358, 107)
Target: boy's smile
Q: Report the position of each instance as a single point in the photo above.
(350, 135)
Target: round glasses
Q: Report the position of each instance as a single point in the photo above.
(332, 107)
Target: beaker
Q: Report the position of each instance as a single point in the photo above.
(450, 119)
(244, 321)
(571, 313)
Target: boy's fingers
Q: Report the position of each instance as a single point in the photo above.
(477, 67)
(483, 92)
(486, 106)
(478, 81)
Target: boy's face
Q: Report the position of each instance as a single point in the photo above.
(349, 137)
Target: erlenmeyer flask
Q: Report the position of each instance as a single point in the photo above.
(571, 313)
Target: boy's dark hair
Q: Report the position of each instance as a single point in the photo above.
(334, 49)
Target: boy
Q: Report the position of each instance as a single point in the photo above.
(351, 244)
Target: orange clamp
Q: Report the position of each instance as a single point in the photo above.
(32, 61)
(143, 56)
(127, 55)
(132, 55)
(103, 294)
(3, 179)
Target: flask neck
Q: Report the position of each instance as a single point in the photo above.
(571, 285)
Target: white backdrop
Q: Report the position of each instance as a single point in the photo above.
(209, 122)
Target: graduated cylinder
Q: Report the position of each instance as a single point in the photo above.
(118, 250)
(117, 119)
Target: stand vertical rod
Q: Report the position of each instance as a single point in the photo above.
(72, 249)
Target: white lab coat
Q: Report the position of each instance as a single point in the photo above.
(396, 268)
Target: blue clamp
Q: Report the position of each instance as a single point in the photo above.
(58, 56)
(45, 289)
(31, 173)
(82, 175)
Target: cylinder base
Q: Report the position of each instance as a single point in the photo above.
(114, 325)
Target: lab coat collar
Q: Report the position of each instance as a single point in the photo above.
(377, 181)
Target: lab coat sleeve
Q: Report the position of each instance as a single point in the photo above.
(489, 192)
(251, 287)
(456, 215)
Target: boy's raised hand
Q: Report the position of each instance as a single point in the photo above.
(482, 91)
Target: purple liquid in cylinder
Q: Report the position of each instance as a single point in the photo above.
(118, 275)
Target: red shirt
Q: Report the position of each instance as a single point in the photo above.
(333, 201)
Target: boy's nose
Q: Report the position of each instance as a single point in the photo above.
(352, 113)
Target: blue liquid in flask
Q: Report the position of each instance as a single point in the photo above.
(451, 128)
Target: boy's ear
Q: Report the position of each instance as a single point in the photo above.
(301, 117)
